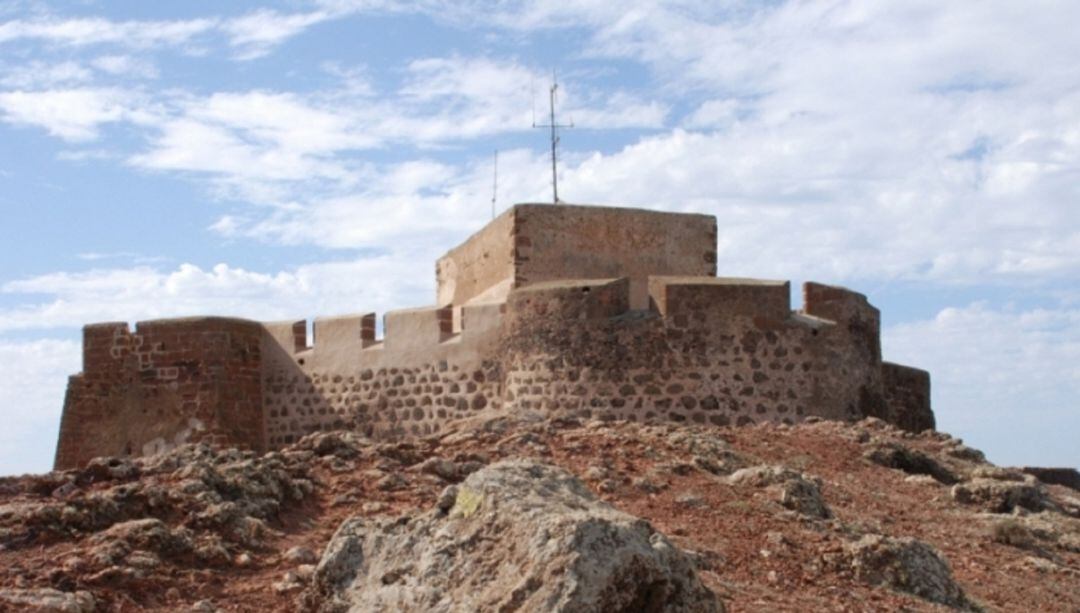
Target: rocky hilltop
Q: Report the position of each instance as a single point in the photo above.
(531, 513)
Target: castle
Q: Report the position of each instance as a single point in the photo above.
(562, 310)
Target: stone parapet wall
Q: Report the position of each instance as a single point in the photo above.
(166, 383)
(535, 243)
(704, 356)
(907, 395)
(420, 375)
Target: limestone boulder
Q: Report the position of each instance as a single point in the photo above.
(513, 536)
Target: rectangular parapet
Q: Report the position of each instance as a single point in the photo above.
(857, 317)
(575, 299)
(288, 335)
(480, 318)
(416, 329)
(485, 260)
(907, 394)
(344, 332)
(212, 336)
(837, 303)
(533, 243)
(724, 297)
(101, 342)
(568, 242)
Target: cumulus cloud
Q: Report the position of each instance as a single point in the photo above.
(32, 386)
(146, 292)
(1001, 376)
(71, 114)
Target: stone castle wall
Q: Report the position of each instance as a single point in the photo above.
(720, 351)
(568, 310)
(166, 383)
(710, 351)
(421, 374)
(534, 243)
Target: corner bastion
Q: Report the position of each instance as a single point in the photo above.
(600, 312)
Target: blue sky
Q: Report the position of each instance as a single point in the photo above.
(280, 160)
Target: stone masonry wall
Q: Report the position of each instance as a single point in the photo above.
(169, 382)
(907, 394)
(706, 351)
(532, 243)
(410, 383)
(715, 351)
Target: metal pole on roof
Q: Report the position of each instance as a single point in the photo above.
(554, 126)
(495, 185)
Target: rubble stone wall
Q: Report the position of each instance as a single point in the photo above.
(706, 355)
(409, 383)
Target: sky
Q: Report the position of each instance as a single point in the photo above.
(301, 158)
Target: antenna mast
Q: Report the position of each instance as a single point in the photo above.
(495, 184)
(554, 126)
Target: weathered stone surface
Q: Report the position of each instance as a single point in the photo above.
(46, 600)
(799, 492)
(911, 461)
(907, 565)
(1068, 477)
(520, 536)
(1000, 496)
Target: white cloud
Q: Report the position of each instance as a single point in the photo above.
(32, 385)
(70, 114)
(125, 65)
(256, 33)
(1006, 379)
(145, 292)
(90, 31)
(252, 34)
(38, 74)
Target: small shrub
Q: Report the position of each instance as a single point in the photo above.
(1013, 533)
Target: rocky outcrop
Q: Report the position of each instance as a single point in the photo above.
(911, 461)
(514, 536)
(799, 492)
(46, 600)
(441, 524)
(1000, 496)
(907, 565)
(1068, 477)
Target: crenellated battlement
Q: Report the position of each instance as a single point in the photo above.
(585, 311)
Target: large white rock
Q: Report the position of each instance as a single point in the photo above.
(514, 536)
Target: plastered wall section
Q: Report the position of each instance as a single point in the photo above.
(167, 383)
(483, 263)
(433, 365)
(719, 351)
(533, 243)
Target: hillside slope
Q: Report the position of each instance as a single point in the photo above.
(819, 516)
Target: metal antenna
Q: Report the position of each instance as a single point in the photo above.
(495, 185)
(554, 126)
